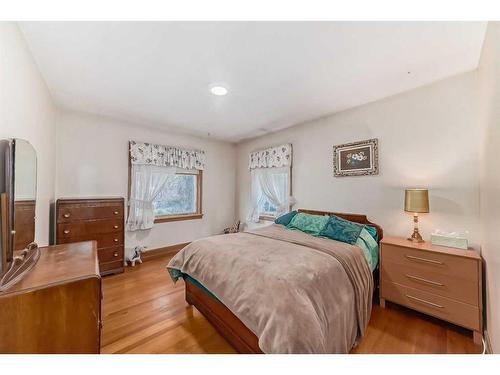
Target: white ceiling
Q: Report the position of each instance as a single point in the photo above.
(278, 73)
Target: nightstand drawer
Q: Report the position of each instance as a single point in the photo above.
(422, 260)
(432, 281)
(444, 308)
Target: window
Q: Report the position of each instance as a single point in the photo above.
(180, 197)
(281, 183)
(164, 184)
(271, 189)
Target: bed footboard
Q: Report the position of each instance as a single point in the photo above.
(223, 320)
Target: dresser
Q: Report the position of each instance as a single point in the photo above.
(99, 219)
(56, 307)
(439, 281)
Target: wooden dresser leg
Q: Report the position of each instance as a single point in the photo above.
(382, 302)
(478, 338)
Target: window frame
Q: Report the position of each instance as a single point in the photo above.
(271, 217)
(177, 217)
(190, 216)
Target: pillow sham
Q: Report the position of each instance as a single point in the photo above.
(311, 224)
(369, 246)
(373, 232)
(286, 218)
(341, 230)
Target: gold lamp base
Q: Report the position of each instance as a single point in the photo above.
(415, 237)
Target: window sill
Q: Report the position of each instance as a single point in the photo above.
(267, 218)
(165, 219)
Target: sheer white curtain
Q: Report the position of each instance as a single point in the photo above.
(147, 182)
(256, 196)
(264, 185)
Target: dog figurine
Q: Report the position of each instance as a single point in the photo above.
(136, 255)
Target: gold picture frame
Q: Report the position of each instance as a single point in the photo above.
(356, 158)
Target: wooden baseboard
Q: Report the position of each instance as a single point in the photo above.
(163, 251)
(487, 343)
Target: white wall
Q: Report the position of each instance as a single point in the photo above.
(427, 138)
(92, 160)
(27, 111)
(489, 102)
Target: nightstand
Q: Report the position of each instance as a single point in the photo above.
(440, 281)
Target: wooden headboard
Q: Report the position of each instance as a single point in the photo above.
(357, 218)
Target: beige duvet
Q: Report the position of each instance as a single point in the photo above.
(296, 292)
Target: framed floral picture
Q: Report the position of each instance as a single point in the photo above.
(356, 158)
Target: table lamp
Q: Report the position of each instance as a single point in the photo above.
(416, 201)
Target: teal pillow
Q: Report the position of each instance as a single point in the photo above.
(369, 246)
(286, 218)
(342, 230)
(311, 224)
(372, 231)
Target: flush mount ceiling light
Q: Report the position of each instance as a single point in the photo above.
(218, 90)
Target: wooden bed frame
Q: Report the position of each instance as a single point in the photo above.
(228, 324)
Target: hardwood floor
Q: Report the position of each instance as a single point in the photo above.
(144, 312)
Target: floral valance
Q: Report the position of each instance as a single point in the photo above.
(278, 156)
(166, 156)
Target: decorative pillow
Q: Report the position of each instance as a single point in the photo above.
(311, 224)
(372, 231)
(286, 218)
(342, 230)
(369, 246)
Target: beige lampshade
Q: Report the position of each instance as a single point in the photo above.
(417, 200)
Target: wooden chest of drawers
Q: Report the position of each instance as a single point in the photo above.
(439, 281)
(99, 219)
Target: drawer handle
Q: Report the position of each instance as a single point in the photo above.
(115, 226)
(423, 259)
(116, 239)
(66, 231)
(115, 213)
(424, 280)
(66, 215)
(115, 254)
(426, 302)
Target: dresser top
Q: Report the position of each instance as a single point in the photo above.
(428, 246)
(89, 199)
(60, 264)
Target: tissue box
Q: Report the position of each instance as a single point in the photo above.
(449, 241)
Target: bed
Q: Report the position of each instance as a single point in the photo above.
(273, 290)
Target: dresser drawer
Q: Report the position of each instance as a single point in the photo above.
(75, 212)
(421, 260)
(428, 280)
(106, 268)
(103, 239)
(441, 307)
(110, 254)
(84, 228)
